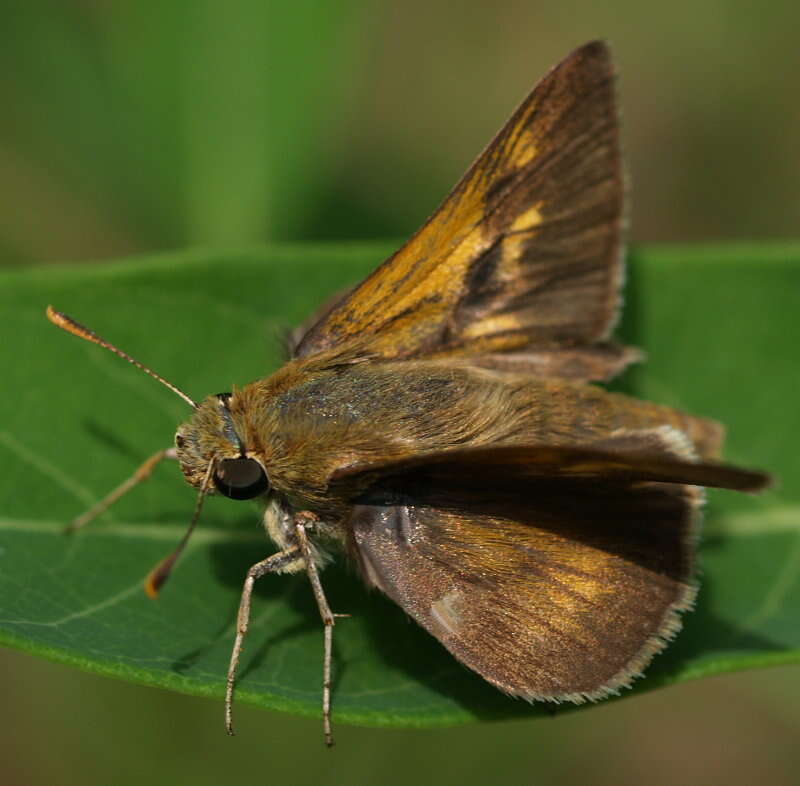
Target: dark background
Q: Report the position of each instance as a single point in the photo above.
(129, 127)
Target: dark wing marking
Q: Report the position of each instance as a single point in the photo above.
(564, 593)
(524, 255)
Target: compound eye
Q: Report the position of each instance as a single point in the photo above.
(240, 478)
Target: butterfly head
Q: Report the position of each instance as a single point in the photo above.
(210, 435)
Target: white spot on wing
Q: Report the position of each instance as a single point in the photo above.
(445, 612)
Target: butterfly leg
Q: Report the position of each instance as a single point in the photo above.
(302, 520)
(142, 473)
(277, 563)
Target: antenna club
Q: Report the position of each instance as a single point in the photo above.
(64, 322)
(160, 573)
(68, 324)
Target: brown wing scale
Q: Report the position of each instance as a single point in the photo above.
(563, 596)
(554, 573)
(523, 256)
(633, 456)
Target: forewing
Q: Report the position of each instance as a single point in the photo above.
(482, 470)
(564, 596)
(524, 255)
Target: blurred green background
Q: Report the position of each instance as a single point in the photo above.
(137, 126)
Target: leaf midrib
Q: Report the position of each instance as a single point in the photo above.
(171, 531)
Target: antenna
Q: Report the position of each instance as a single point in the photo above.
(71, 326)
(160, 573)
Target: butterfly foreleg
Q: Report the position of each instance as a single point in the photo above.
(142, 473)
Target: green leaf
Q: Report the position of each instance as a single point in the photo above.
(719, 325)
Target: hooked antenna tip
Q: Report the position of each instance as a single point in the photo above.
(156, 578)
(68, 324)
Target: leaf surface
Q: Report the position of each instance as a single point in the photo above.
(721, 331)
